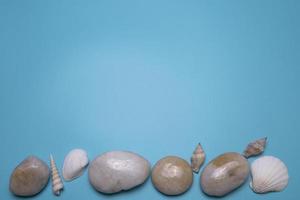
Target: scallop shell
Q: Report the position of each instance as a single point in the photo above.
(197, 158)
(255, 148)
(74, 164)
(269, 174)
(57, 185)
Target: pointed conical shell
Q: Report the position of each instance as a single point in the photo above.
(197, 158)
(57, 185)
(268, 174)
(255, 148)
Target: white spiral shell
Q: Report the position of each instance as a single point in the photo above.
(269, 174)
(57, 185)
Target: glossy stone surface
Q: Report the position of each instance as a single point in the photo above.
(224, 174)
(172, 175)
(115, 171)
(29, 177)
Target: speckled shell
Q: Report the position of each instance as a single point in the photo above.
(197, 158)
(255, 148)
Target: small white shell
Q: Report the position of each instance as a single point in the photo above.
(74, 164)
(269, 174)
(197, 158)
(57, 185)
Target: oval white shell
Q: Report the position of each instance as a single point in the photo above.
(269, 174)
(74, 164)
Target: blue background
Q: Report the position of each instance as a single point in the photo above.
(154, 77)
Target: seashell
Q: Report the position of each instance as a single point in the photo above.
(57, 185)
(30, 177)
(74, 164)
(269, 174)
(197, 158)
(224, 174)
(255, 148)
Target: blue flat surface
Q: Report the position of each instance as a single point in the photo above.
(153, 77)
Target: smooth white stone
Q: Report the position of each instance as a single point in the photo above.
(74, 164)
(115, 171)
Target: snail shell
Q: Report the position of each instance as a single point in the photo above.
(57, 185)
(197, 158)
(255, 148)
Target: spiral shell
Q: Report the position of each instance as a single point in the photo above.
(269, 174)
(57, 185)
(255, 148)
(197, 158)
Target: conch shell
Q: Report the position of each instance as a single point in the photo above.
(255, 148)
(57, 185)
(197, 158)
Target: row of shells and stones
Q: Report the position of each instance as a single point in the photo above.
(117, 171)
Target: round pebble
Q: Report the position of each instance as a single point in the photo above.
(172, 175)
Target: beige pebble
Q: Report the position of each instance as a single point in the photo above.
(224, 174)
(29, 177)
(172, 175)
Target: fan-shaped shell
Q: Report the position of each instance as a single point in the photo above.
(269, 174)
